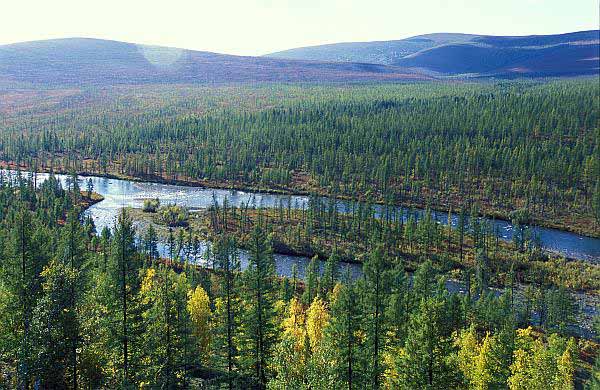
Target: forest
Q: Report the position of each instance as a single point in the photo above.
(505, 146)
(138, 304)
(87, 309)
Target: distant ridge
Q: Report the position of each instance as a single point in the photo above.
(449, 54)
(86, 61)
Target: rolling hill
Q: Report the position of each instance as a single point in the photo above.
(571, 54)
(83, 61)
(377, 52)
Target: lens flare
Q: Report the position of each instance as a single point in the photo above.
(161, 57)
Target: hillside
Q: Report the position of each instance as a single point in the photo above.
(571, 54)
(81, 61)
(377, 52)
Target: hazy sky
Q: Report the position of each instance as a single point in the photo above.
(254, 27)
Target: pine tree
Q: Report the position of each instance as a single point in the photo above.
(123, 282)
(312, 281)
(481, 272)
(259, 335)
(72, 252)
(54, 325)
(424, 280)
(399, 306)
(227, 312)
(150, 243)
(89, 187)
(423, 363)
(27, 252)
(375, 293)
(342, 337)
(330, 273)
(561, 309)
(171, 335)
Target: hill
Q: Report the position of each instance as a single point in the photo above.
(377, 52)
(571, 54)
(81, 61)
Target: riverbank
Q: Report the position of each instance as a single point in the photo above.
(88, 200)
(290, 237)
(568, 221)
(122, 192)
(199, 223)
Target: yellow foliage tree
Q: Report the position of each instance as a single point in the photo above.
(475, 359)
(199, 308)
(294, 323)
(467, 353)
(566, 367)
(290, 357)
(540, 366)
(335, 293)
(317, 319)
(147, 283)
(483, 374)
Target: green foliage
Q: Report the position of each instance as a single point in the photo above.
(173, 215)
(312, 281)
(343, 338)
(508, 145)
(78, 310)
(424, 362)
(151, 205)
(258, 327)
(375, 292)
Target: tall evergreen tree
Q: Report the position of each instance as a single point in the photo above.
(259, 323)
(27, 252)
(123, 285)
(424, 361)
(227, 312)
(375, 293)
(72, 252)
(341, 336)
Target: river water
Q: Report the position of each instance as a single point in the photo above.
(124, 193)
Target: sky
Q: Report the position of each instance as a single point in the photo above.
(256, 27)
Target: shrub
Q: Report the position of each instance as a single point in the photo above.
(151, 205)
(174, 215)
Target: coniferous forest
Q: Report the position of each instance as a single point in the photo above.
(385, 301)
(505, 146)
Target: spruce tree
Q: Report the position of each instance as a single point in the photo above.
(341, 336)
(123, 267)
(227, 307)
(423, 363)
(259, 336)
(375, 293)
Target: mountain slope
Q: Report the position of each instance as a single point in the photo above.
(377, 52)
(569, 54)
(93, 61)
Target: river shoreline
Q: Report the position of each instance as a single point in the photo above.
(239, 186)
(564, 244)
(586, 301)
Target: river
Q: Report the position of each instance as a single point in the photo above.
(125, 193)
